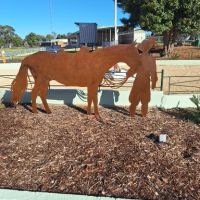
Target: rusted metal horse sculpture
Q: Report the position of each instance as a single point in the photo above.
(72, 69)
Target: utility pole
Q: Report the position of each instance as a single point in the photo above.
(51, 22)
(116, 34)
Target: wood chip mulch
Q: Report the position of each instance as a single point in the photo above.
(70, 152)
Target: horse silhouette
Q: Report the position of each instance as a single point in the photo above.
(85, 69)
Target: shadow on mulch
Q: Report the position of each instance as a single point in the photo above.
(77, 108)
(120, 110)
(188, 114)
(117, 109)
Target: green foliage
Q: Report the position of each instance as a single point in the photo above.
(61, 36)
(196, 115)
(33, 39)
(196, 100)
(2, 105)
(8, 37)
(174, 56)
(2, 42)
(163, 15)
(49, 37)
(167, 17)
(17, 41)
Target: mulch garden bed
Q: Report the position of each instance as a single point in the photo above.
(70, 152)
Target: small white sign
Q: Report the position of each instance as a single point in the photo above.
(163, 138)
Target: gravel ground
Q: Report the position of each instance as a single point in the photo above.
(70, 152)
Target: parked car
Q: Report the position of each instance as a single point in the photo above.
(54, 49)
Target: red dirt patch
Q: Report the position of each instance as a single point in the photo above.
(69, 152)
(187, 52)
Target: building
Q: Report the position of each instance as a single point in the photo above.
(105, 36)
(53, 42)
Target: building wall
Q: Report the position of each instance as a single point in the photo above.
(106, 36)
(139, 36)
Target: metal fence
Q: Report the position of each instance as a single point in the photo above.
(116, 78)
(23, 51)
(183, 84)
(167, 84)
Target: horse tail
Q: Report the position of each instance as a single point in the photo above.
(19, 84)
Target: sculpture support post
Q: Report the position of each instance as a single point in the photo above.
(116, 35)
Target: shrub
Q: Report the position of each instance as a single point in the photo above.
(196, 100)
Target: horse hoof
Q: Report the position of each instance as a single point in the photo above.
(98, 118)
(88, 112)
(34, 111)
(132, 115)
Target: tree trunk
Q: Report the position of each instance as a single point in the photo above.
(167, 42)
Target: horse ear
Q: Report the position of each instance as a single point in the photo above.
(134, 43)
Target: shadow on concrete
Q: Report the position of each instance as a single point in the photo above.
(108, 100)
(72, 98)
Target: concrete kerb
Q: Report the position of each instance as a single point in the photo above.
(178, 62)
(6, 194)
(106, 98)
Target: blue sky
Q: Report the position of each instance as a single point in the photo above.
(34, 15)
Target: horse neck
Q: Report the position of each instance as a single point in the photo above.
(109, 57)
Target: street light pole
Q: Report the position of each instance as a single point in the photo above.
(116, 35)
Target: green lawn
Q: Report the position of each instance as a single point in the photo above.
(13, 49)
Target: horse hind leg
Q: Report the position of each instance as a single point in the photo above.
(34, 94)
(43, 95)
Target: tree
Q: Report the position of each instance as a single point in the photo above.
(17, 41)
(33, 39)
(49, 37)
(2, 43)
(167, 17)
(61, 36)
(7, 33)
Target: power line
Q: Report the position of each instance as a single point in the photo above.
(51, 16)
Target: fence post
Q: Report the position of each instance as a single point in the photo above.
(162, 79)
(169, 86)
